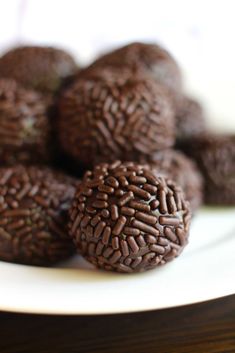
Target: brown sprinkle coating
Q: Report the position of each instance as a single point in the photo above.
(34, 232)
(90, 131)
(24, 126)
(148, 230)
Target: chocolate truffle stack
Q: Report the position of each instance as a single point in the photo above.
(118, 118)
(34, 198)
(129, 105)
(125, 215)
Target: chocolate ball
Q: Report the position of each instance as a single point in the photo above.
(215, 156)
(182, 170)
(40, 68)
(105, 120)
(126, 219)
(24, 125)
(190, 119)
(151, 58)
(33, 209)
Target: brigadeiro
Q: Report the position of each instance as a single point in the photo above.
(176, 166)
(24, 125)
(40, 68)
(151, 58)
(33, 215)
(126, 219)
(101, 120)
(190, 118)
(215, 156)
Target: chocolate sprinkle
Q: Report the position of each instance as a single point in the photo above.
(135, 237)
(33, 231)
(92, 131)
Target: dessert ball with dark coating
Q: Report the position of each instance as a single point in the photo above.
(215, 156)
(152, 58)
(104, 120)
(190, 119)
(33, 210)
(182, 170)
(39, 68)
(24, 125)
(126, 219)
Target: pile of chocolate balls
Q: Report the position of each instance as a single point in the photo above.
(109, 161)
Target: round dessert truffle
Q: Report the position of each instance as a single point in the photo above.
(24, 125)
(104, 120)
(126, 219)
(190, 119)
(39, 68)
(33, 209)
(151, 58)
(215, 156)
(182, 170)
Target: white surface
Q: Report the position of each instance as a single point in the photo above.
(205, 270)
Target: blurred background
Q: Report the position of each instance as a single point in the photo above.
(199, 33)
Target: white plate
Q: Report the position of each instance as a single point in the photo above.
(205, 270)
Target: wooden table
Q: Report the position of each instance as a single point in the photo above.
(201, 328)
